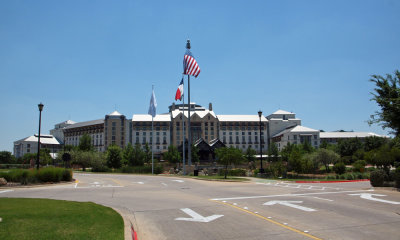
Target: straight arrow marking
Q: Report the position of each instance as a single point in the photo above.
(370, 196)
(290, 204)
(195, 217)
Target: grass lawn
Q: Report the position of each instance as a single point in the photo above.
(25, 218)
(221, 178)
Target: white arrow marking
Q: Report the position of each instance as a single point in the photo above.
(181, 181)
(164, 184)
(6, 191)
(290, 204)
(195, 217)
(369, 196)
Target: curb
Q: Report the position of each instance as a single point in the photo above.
(129, 230)
(341, 181)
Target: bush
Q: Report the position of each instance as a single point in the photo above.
(101, 168)
(142, 169)
(339, 168)
(66, 175)
(233, 172)
(377, 178)
(50, 174)
(359, 166)
(397, 178)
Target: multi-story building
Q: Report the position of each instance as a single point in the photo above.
(335, 137)
(58, 131)
(30, 145)
(94, 128)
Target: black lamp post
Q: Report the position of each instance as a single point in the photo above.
(40, 106)
(261, 166)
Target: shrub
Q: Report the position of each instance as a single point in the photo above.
(397, 178)
(377, 178)
(359, 166)
(66, 175)
(142, 169)
(339, 168)
(100, 168)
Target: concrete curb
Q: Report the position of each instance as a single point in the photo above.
(341, 181)
(129, 225)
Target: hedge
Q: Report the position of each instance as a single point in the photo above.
(24, 176)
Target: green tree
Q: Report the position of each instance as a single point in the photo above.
(228, 156)
(387, 95)
(374, 142)
(348, 147)
(383, 157)
(114, 156)
(173, 155)
(147, 153)
(250, 154)
(195, 154)
(287, 150)
(85, 143)
(273, 152)
(295, 160)
(6, 157)
(326, 157)
(133, 156)
(306, 147)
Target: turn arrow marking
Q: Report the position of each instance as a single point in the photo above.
(369, 196)
(195, 217)
(290, 204)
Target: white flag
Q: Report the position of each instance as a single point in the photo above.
(153, 105)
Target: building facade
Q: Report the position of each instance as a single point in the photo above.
(30, 145)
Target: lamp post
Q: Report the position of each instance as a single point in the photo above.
(40, 106)
(261, 166)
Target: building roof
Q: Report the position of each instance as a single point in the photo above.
(201, 113)
(115, 113)
(348, 135)
(68, 122)
(241, 118)
(87, 123)
(147, 118)
(296, 129)
(279, 111)
(44, 139)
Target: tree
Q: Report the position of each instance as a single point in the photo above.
(348, 147)
(228, 156)
(326, 157)
(195, 154)
(147, 153)
(383, 157)
(133, 156)
(373, 142)
(387, 96)
(295, 160)
(250, 154)
(85, 143)
(173, 155)
(273, 152)
(114, 156)
(6, 157)
(306, 147)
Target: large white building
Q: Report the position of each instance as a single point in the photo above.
(240, 131)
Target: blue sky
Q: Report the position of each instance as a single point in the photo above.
(84, 59)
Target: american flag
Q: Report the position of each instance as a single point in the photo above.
(190, 66)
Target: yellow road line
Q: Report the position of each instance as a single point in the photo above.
(117, 182)
(272, 221)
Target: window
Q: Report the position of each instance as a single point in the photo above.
(137, 133)
(144, 140)
(114, 124)
(295, 137)
(137, 139)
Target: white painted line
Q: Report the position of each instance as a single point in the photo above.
(285, 223)
(289, 195)
(370, 196)
(180, 181)
(269, 217)
(234, 204)
(195, 217)
(4, 191)
(306, 231)
(290, 204)
(323, 199)
(140, 182)
(95, 183)
(246, 208)
(164, 184)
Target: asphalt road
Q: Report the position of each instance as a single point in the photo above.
(183, 208)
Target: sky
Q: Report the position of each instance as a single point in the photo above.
(84, 59)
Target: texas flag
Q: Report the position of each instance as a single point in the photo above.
(179, 92)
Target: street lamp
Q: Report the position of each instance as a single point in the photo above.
(40, 106)
(261, 166)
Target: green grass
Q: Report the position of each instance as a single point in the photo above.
(221, 178)
(24, 218)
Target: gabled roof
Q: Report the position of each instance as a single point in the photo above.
(279, 111)
(115, 113)
(297, 129)
(147, 118)
(201, 114)
(241, 118)
(87, 123)
(44, 139)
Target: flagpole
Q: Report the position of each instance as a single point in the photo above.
(183, 132)
(189, 132)
(152, 139)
